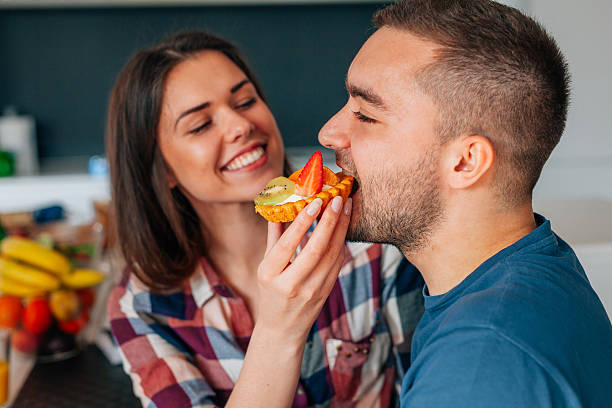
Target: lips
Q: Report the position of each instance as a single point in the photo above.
(246, 157)
(349, 173)
(355, 185)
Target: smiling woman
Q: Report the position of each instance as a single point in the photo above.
(210, 312)
(218, 138)
(172, 151)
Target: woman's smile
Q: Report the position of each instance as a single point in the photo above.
(249, 160)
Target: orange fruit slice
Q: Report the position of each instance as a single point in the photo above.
(329, 177)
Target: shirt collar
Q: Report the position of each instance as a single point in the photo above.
(199, 283)
(205, 282)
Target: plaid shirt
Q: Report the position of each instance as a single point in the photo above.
(186, 349)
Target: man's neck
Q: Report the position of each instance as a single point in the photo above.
(464, 240)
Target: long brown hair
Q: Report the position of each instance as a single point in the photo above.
(158, 230)
(497, 73)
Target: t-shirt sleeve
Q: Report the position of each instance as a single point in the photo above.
(478, 368)
(162, 375)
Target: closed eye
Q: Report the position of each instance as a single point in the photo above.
(247, 104)
(363, 118)
(200, 128)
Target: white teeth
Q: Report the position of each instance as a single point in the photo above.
(246, 159)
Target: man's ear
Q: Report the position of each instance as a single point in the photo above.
(468, 160)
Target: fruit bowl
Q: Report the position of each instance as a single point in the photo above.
(47, 291)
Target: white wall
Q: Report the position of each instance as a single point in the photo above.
(520, 4)
(575, 190)
(581, 165)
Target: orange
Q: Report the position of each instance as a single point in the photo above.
(10, 311)
(36, 315)
(329, 177)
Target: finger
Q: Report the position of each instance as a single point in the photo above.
(275, 230)
(319, 241)
(338, 239)
(323, 283)
(282, 250)
(332, 275)
(335, 246)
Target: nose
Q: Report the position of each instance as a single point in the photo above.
(237, 126)
(334, 134)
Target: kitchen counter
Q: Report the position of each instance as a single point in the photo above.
(85, 381)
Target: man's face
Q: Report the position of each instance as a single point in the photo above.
(384, 136)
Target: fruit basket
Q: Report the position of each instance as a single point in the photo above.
(48, 287)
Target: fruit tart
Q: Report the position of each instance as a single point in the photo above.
(283, 198)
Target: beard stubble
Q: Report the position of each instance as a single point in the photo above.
(400, 207)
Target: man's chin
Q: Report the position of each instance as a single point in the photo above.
(358, 230)
(365, 224)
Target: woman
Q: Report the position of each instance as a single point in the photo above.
(209, 312)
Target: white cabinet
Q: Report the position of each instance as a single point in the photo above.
(75, 192)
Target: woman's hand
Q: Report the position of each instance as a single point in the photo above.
(292, 293)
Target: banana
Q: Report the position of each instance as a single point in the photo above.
(82, 278)
(27, 275)
(28, 251)
(10, 287)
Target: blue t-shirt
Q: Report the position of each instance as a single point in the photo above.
(525, 329)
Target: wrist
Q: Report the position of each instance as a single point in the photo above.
(281, 341)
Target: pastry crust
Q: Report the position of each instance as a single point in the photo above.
(288, 211)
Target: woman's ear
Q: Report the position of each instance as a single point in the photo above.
(468, 161)
(172, 181)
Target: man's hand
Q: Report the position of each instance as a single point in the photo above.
(292, 293)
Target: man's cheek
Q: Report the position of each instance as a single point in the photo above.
(368, 165)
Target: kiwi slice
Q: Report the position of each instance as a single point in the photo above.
(276, 191)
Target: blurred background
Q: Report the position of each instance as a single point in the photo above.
(59, 60)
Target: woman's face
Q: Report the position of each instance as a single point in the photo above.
(219, 139)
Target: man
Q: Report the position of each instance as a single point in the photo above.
(454, 107)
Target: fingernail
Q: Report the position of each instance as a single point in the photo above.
(336, 204)
(348, 206)
(314, 207)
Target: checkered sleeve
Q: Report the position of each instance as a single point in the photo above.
(402, 305)
(162, 374)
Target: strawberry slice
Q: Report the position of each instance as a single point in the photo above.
(310, 180)
(329, 177)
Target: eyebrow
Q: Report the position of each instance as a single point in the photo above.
(366, 94)
(205, 105)
(239, 85)
(190, 111)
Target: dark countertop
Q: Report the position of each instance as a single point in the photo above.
(86, 380)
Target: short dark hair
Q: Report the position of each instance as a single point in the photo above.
(158, 231)
(496, 73)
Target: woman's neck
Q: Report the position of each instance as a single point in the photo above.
(234, 234)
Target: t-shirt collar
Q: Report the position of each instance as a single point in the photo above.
(541, 232)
